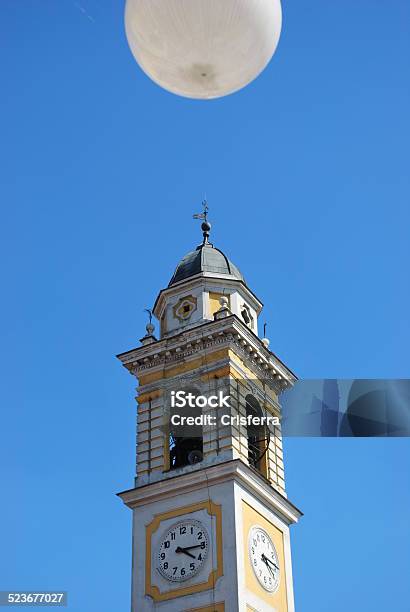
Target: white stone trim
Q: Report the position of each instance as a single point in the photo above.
(222, 472)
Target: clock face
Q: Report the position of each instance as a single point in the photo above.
(264, 559)
(182, 550)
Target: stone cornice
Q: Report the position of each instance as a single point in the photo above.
(198, 341)
(231, 470)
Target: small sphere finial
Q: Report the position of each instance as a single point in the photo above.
(205, 225)
(265, 340)
(149, 326)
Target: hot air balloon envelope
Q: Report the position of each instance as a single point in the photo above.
(203, 48)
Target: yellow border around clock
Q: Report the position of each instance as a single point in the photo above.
(151, 589)
(218, 607)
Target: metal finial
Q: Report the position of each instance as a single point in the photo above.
(265, 340)
(205, 226)
(149, 326)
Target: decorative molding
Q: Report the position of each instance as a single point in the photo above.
(192, 481)
(152, 590)
(230, 332)
(189, 301)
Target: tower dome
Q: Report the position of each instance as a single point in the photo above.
(205, 286)
(206, 259)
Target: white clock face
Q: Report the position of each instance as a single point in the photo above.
(183, 550)
(264, 559)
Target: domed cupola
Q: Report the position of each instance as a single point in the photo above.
(206, 259)
(205, 281)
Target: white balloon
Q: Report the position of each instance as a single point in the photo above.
(203, 48)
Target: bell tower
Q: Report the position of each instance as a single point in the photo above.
(210, 512)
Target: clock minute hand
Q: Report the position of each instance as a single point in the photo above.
(265, 560)
(191, 547)
(184, 550)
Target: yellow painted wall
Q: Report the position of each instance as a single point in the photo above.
(182, 367)
(277, 600)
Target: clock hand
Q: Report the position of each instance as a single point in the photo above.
(266, 560)
(183, 550)
(191, 547)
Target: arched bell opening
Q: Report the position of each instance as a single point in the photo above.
(185, 441)
(258, 436)
(184, 451)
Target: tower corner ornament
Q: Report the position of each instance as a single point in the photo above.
(209, 496)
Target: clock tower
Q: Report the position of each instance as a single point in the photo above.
(210, 512)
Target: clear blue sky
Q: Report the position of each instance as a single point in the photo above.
(306, 172)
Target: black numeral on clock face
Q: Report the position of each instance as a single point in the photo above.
(183, 540)
(264, 560)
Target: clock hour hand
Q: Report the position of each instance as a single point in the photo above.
(184, 550)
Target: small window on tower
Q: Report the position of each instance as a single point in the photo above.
(258, 436)
(246, 316)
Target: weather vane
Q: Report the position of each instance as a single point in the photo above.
(149, 311)
(203, 215)
(205, 226)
